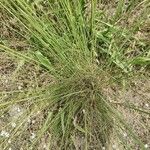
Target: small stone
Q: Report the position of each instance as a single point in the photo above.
(18, 109)
(147, 105)
(146, 146)
(125, 134)
(38, 112)
(7, 134)
(29, 120)
(6, 81)
(33, 121)
(9, 148)
(3, 133)
(19, 87)
(114, 146)
(15, 111)
(33, 135)
(83, 111)
(13, 124)
(9, 141)
(44, 146)
(103, 148)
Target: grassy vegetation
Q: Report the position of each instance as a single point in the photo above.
(85, 47)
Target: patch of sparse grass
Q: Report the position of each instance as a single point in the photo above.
(84, 50)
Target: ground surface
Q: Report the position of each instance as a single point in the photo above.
(16, 75)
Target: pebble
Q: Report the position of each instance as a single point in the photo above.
(28, 120)
(33, 135)
(4, 134)
(125, 134)
(114, 146)
(18, 109)
(83, 111)
(147, 105)
(6, 81)
(19, 87)
(9, 141)
(13, 124)
(146, 146)
(44, 146)
(33, 121)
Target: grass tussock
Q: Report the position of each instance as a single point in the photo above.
(85, 50)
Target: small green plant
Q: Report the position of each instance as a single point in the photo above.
(84, 51)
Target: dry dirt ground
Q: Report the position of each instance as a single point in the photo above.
(14, 78)
(16, 75)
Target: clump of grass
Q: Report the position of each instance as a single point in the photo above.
(83, 51)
